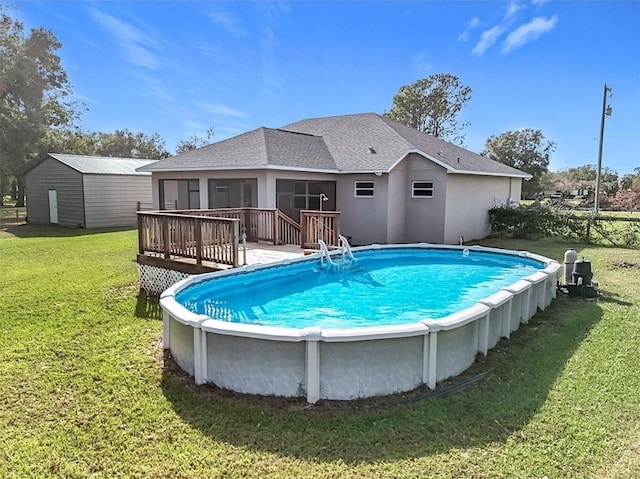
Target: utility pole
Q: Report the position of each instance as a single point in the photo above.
(606, 111)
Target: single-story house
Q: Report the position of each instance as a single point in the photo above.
(87, 191)
(391, 183)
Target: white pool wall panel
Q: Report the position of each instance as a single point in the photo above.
(348, 363)
(182, 345)
(370, 368)
(256, 366)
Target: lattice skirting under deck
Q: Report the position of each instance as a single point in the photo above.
(155, 280)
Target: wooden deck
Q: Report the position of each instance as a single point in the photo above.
(197, 241)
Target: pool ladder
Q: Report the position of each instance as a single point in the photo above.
(344, 250)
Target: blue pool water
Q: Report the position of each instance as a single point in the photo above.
(386, 287)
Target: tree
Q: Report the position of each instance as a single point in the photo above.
(33, 92)
(525, 150)
(631, 181)
(125, 144)
(120, 143)
(194, 142)
(626, 200)
(582, 178)
(432, 105)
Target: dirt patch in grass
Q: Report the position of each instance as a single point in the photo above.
(625, 265)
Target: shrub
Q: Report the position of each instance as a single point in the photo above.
(535, 221)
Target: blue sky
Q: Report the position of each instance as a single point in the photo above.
(177, 67)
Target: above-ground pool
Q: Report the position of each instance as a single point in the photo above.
(391, 319)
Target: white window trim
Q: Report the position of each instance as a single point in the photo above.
(413, 189)
(356, 189)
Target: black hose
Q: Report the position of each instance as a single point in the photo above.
(452, 388)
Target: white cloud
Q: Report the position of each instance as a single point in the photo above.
(154, 87)
(226, 22)
(422, 65)
(528, 32)
(273, 81)
(86, 99)
(513, 8)
(220, 109)
(132, 41)
(487, 39)
(473, 23)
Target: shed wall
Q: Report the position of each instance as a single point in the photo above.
(110, 200)
(53, 175)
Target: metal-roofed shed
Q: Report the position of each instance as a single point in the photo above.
(87, 191)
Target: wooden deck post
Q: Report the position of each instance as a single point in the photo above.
(235, 243)
(276, 229)
(166, 241)
(246, 219)
(141, 235)
(198, 238)
(303, 229)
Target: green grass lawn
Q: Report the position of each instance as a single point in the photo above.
(85, 390)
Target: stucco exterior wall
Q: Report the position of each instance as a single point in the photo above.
(468, 200)
(424, 217)
(397, 205)
(53, 175)
(111, 200)
(364, 219)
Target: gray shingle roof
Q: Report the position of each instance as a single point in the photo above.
(255, 149)
(100, 165)
(391, 141)
(365, 142)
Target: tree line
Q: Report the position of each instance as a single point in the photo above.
(37, 116)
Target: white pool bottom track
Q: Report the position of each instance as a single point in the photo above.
(343, 364)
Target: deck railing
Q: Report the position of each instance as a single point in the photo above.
(214, 235)
(259, 224)
(202, 238)
(319, 225)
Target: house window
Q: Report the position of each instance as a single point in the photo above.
(364, 188)
(422, 189)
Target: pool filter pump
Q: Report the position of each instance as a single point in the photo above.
(578, 277)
